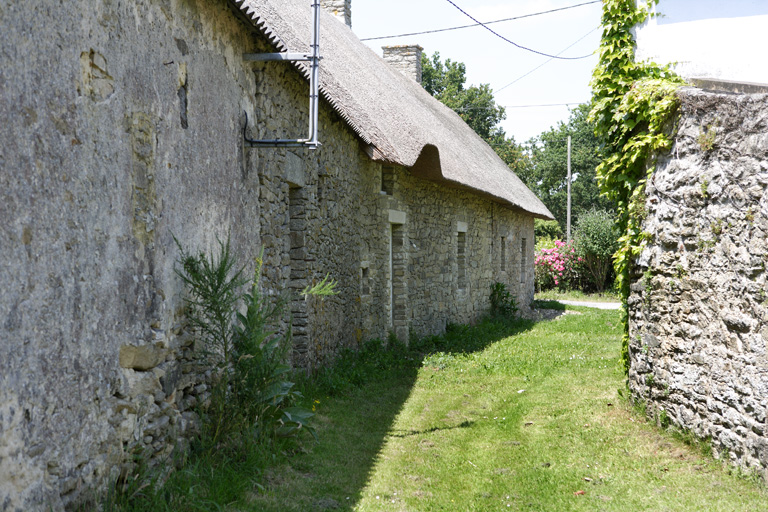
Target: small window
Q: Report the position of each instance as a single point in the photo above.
(523, 259)
(365, 284)
(388, 180)
(461, 259)
(503, 254)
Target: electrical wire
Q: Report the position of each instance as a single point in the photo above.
(547, 105)
(489, 29)
(546, 61)
(466, 109)
(478, 23)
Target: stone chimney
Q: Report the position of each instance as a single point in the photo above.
(405, 59)
(342, 9)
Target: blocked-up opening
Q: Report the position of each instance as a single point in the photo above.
(297, 210)
(461, 259)
(398, 286)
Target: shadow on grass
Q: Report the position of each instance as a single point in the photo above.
(359, 399)
(547, 304)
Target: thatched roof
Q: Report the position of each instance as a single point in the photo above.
(399, 121)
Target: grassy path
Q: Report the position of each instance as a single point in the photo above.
(531, 421)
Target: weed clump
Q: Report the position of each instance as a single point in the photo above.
(251, 391)
(503, 303)
(253, 412)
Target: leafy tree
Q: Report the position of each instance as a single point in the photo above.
(547, 230)
(548, 174)
(511, 152)
(475, 104)
(596, 240)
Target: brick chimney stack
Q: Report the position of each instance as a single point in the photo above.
(406, 59)
(342, 9)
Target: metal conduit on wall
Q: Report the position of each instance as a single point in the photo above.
(313, 58)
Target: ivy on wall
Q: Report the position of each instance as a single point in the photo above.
(633, 114)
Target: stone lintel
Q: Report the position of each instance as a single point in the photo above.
(396, 217)
(294, 170)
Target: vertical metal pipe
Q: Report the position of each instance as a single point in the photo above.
(314, 87)
(314, 80)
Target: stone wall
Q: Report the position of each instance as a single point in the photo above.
(699, 303)
(122, 129)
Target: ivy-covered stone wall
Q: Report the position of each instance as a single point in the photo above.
(698, 307)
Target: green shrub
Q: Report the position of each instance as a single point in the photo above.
(503, 304)
(596, 240)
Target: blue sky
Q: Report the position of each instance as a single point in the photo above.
(491, 60)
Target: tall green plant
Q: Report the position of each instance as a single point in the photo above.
(261, 387)
(214, 285)
(547, 230)
(251, 390)
(475, 104)
(634, 105)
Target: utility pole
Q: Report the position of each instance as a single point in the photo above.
(568, 228)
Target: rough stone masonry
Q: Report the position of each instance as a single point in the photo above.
(121, 124)
(699, 303)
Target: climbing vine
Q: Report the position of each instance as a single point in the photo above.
(633, 114)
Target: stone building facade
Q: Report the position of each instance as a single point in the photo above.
(699, 301)
(123, 130)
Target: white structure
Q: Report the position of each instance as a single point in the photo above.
(709, 39)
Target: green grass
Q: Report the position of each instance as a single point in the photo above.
(209, 478)
(519, 422)
(606, 296)
(501, 416)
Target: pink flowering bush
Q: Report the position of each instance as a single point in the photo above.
(557, 266)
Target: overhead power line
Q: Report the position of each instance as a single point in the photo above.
(546, 61)
(465, 109)
(547, 105)
(489, 29)
(479, 24)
